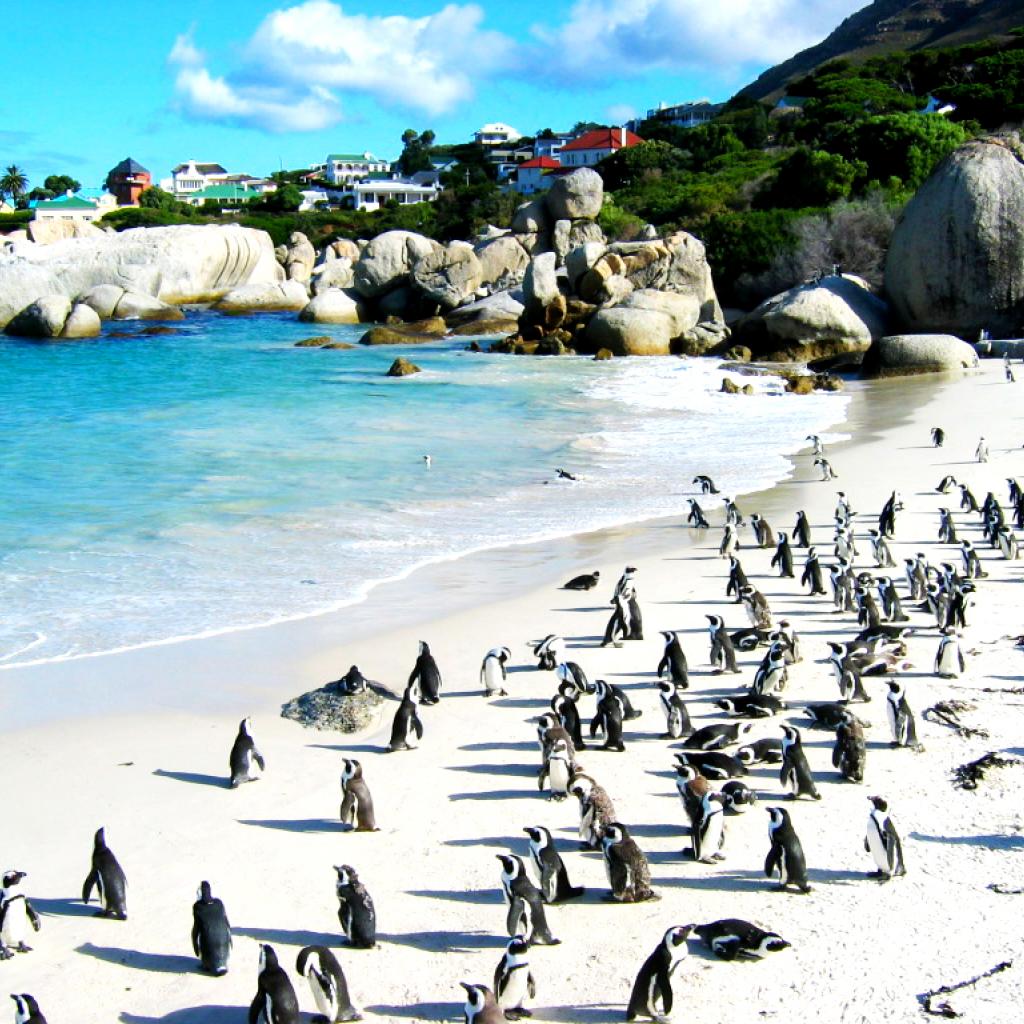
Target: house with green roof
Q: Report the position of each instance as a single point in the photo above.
(67, 207)
(229, 193)
(346, 168)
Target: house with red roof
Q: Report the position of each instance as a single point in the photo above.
(535, 175)
(592, 147)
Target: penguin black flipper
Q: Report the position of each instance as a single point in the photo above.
(195, 937)
(518, 919)
(773, 862)
(664, 989)
(92, 881)
(33, 916)
(564, 889)
(417, 726)
(894, 848)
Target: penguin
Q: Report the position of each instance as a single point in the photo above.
(319, 966)
(275, 1001)
(427, 675)
(802, 530)
(696, 518)
(17, 917)
(356, 802)
(625, 582)
(571, 672)
(493, 672)
(550, 734)
(788, 637)
(652, 991)
(763, 535)
(629, 875)
(618, 628)
(1008, 546)
(708, 836)
(795, 774)
(716, 737)
(850, 750)
(763, 751)
(947, 528)
(771, 675)
(981, 452)
(26, 1010)
(406, 721)
(826, 716)
(677, 718)
(427, 461)
(938, 436)
(587, 581)
(610, 715)
(817, 448)
(812, 573)
(827, 472)
(737, 579)
(108, 878)
(756, 605)
(949, 658)
(557, 770)
(730, 542)
(547, 862)
(713, 764)
(734, 939)
(353, 681)
(565, 707)
(548, 651)
(753, 705)
(356, 912)
(211, 932)
(880, 549)
(692, 787)
(513, 982)
(882, 841)
(707, 485)
(786, 856)
(246, 761)
(673, 664)
(738, 796)
(601, 688)
(733, 517)
(596, 810)
(892, 607)
(967, 500)
(481, 1006)
(901, 718)
(525, 904)
(783, 557)
(723, 654)
(972, 563)
(566, 475)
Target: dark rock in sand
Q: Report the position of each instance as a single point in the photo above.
(326, 709)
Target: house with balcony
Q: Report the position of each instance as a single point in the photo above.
(684, 115)
(381, 189)
(345, 168)
(497, 134)
(127, 181)
(191, 177)
(551, 146)
(592, 147)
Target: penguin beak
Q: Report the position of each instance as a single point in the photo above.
(467, 987)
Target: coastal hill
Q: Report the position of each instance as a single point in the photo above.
(889, 25)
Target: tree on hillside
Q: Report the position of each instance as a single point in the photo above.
(416, 148)
(13, 183)
(810, 177)
(58, 184)
(286, 199)
(627, 166)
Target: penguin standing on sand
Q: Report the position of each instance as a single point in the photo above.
(812, 573)
(493, 672)
(677, 717)
(696, 518)
(356, 802)
(555, 886)
(513, 982)
(825, 467)
(795, 774)
(763, 535)
(108, 878)
(618, 628)
(707, 485)
(246, 761)
(629, 874)
(673, 664)
(26, 1010)
(880, 549)
(596, 810)
(481, 1007)
(708, 835)
(802, 530)
(548, 652)
(981, 453)
(901, 718)
(557, 769)
(652, 991)
(817, 448)
(968, 502)
(610, 715)
(564, 705)
(406, 722)
(786, 856)
(356, 913)
(882, 841)
(211, 932)
(737, 579)
(887, 517)
(730, 542)
(938, 436)
(275, 1001)
(783, 557)
(946, 484)
(947, 528)
(772, 675)
(427, 675)
(525, 904)
(18, 918)
(723, 654)
(319, 966)
(850, 750)
(949, 658)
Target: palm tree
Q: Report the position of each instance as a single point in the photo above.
(13, 183)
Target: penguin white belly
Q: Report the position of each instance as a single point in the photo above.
(711, 838)
(876, 845)
(587, 824)
(492, 676)
(322, 987)
(514, 994)
(16, 926)
(252, 768)
(890, 713)
(789, 779)
(949, 662)
(558, 777)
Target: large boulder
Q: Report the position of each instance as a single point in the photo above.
(629, 332)
(340, 248)
(580, 259)
(530, 218)
(836, 317)
(264, 298)
(448, 276)
(179, 264)
(682, 309)
(576, 195)
(301, 257)
(543, 302)
(956, 259)
(387, 261)
(503, 262)
(331, 306)
(499, 306)
(43, 318)
(82, 322)
(46, 232)
(103, 299)
(402, 368)
(336, 273)
(901, 354)
(417, 333)
(111, 302)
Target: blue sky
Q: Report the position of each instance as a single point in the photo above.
(260, 85)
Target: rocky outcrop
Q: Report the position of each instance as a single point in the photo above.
(135, 306)
(630, 332)
(387, 261)
(530, 218)
(46, 232)
(416, 333)
(902, 354)
(576, 195)
(336, 273)
(503, 263)
(499, 306)
(543, 302)
(402, 368)
(264, 298)
(82, 322)
(300, 258)
(185, 263)
(448, 276)
(682, 309)
(956, 259)
(332, 306)
(835, 318)
(54, 316)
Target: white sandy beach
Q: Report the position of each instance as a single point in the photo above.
(138, 742)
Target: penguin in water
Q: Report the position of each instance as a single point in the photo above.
(734, 939)
(673, 664)
(949, 658)
(526, 915)
(319, 966)
(850, 750)
(882, 841)
(211, 932)
(786, 856)
(696, 518)
(547, 862)
(427, 675)
(18, 917)
(901, 718)
(275, 1001)
(596, 810)
(707, 485)
(513, 981)
(246, 761)
(481, 1006)
(585, 582)
(802, 531)
(938, 436)
(108, 878)
(493, 672)
(356, 802)
(652, 991)
(26, 1010)
(723, 654)
(356, 912)
(677, 717)
(708, 836)
(795, 774)
(629, 874)
(406, 721)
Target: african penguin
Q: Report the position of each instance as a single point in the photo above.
(493, 672)
(949, 658)
(673, 664)
(596, 810)
(708, 835)
(585, 582)
(786, 857)
(901, 718)
(547, 862)
(211, 932)
(882, 841)
(356, 912)
(26, 1010)
(652, 991)
(850, 750)
(406, 722)
(319, 966)
(526, 915)
(557, 769)
(513, 982)
(246, 761)
(626, 867)
(795, 774)
(677, 717)
(723, 654)
(427, 675)
(733, 939)
(18, 918)
(275, 1001)
(109, 880)
(356, 802)
(481, 1006)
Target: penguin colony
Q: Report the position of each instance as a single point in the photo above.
(709, 764)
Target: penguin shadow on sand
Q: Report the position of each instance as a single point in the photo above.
(191, 1015)
(63, 908)
(290, 937)
(589, 1013)
(592, 608)
(522, 771)
(159, 963)
(196, 778)
(519, 702)
(497, 794)
(298, 824)
(495, 745)
(445, 942)
(347, 748)
(418, 1011)
(482, 897)
(990, 842)
(501, 842)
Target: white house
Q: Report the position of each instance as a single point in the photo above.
(535, 175)
(70, 207)
(592, 147)
(374, 193)
(497, 134)
(192, 177)
(343, 168)
(551, 146)
(686, 115)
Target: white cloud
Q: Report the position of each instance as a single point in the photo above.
(603, 39)
(620, 113)
(300, 56)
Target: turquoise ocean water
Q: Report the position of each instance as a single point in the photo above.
(220, 478)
